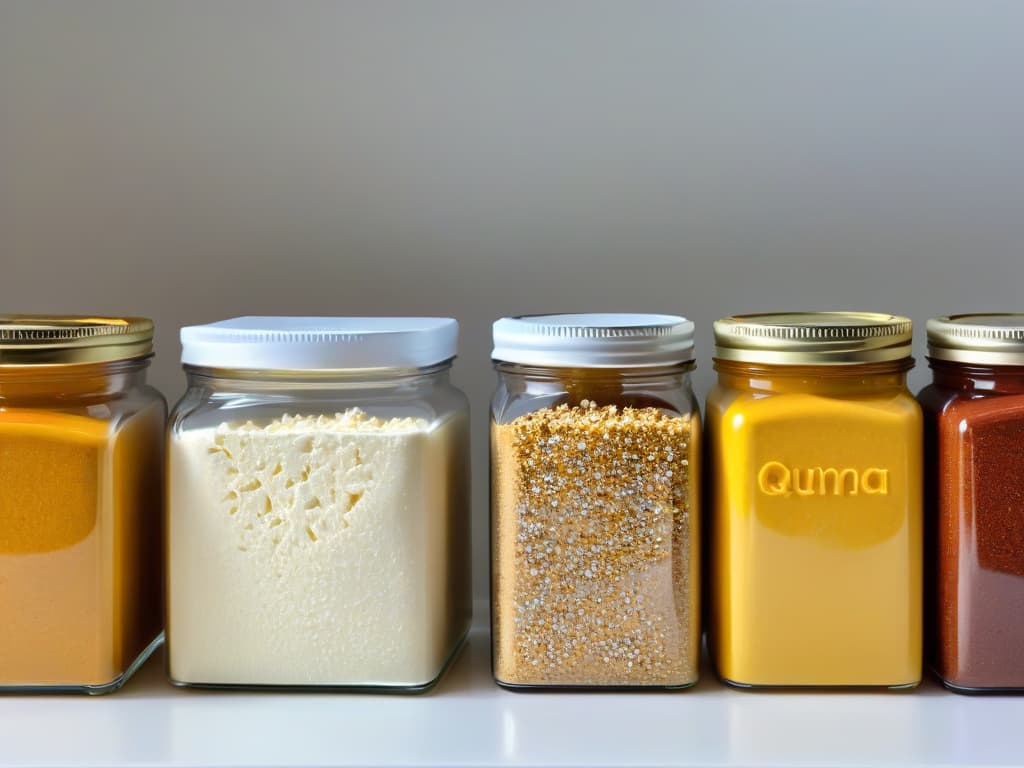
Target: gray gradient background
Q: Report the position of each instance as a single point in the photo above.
(192, 161)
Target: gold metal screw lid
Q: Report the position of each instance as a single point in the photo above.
(71, 339)
(813, 338)
(983, 339)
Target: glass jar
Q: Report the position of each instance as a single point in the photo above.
(974, 449)
(815, 459)
(318, 508)
(595, 502)
(81, 472)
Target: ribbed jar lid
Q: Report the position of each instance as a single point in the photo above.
(984, 339)
(609, 340)
(320, 343)
(813, 338)
(72, 339)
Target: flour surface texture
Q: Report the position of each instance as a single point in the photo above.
(316, 550)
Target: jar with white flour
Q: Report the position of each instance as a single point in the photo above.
(318, 507)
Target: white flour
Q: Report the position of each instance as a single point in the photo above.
(316, 550)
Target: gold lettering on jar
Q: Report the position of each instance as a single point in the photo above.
(875, 481)
(806, 488)
(839, 484)
(776, 479)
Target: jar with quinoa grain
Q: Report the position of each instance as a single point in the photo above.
(595, 448)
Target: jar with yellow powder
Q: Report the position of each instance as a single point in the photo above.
(595, 511)
(815, 460)
(81, 469)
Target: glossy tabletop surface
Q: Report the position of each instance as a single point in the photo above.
(468, 721)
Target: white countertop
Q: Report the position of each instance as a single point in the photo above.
(467, 720)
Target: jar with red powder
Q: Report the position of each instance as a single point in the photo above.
(974, 459)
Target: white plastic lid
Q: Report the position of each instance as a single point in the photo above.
(320, 343)
(594, 340)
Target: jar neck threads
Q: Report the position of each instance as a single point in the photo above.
(815, 379)
(667, 387)
(231, 380)
(33, 384)
(966, 377)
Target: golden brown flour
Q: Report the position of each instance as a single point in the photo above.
(80, 554)
(593, 568)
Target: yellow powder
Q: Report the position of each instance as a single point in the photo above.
(76, 500)
(816, 554)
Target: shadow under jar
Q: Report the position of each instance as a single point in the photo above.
(318, 510)
(974, 447)
(81, 473)
(595, 510)
(814, 455)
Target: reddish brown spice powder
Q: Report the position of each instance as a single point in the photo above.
(975, 503)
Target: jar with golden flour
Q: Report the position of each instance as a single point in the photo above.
(81, 497)
(816, 515)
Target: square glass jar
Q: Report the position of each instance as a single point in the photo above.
(81, 498)
(814, 450)
(974, 467)
(595, 503)
(318, 506)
